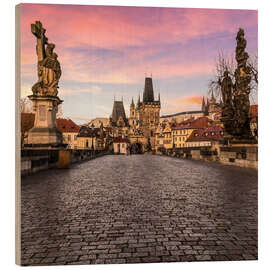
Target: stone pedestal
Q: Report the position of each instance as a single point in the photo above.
(45, 133)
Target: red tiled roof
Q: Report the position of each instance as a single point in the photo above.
(67, 125)
(199, 123)
(87, 132)
(120, 140)
(214, 133)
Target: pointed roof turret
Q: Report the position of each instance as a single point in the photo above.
(203, 104)
(159, 97)
(148, 93)
(118, 111)
(139, 100)
(132, 103)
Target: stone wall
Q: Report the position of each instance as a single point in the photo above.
(237, 155)
(244, 156)
(34, 160)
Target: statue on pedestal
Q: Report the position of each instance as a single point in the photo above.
(45, 91)
(235, 109)
(242, 86)
(49, 70)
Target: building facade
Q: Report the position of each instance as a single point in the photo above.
(207, 137)
(182, 131)
(118, 120)
(91, 138)
(181, 116)
(143, 120)
(69, 131)
(120, 145)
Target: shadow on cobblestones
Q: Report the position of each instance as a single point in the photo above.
(141, 208)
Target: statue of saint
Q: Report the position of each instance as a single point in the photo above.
(49, 70)
(226, 89)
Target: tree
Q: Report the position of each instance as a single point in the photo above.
(223, 64)
(253, 65)
(27, 117)
(59, 113)
(25, 105)
(27, 122)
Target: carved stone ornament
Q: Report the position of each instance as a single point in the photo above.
(48, 67)
(236, 104)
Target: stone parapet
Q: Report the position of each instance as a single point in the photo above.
(34, 160)
(243, 155)
(240, 155)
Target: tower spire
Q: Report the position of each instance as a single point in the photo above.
(148, 93)
(132, 102)
(203, 104)
(139, 99)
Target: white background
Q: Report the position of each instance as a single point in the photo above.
(7, 131)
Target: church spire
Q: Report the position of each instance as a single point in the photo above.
(132, 103)
(139, 100)
(203, 104)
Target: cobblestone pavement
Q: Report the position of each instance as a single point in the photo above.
(141, 208)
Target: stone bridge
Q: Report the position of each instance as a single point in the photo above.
(139, 208)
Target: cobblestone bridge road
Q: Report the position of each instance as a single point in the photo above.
(141, 208)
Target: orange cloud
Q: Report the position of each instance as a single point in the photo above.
(192, 100)
(186, 100)
(185, 103)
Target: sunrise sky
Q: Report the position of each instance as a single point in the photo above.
(106, 51)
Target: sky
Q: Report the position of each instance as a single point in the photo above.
(105, 52)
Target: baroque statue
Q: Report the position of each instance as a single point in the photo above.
(236, 104)
(49, 70)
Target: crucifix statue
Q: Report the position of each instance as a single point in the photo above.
(49, 70)
(45, 100)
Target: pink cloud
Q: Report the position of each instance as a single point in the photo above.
(137, 32)
(110, 27)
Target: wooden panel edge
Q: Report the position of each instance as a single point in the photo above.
(17, 136)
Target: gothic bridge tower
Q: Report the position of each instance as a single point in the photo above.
(149, 111)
